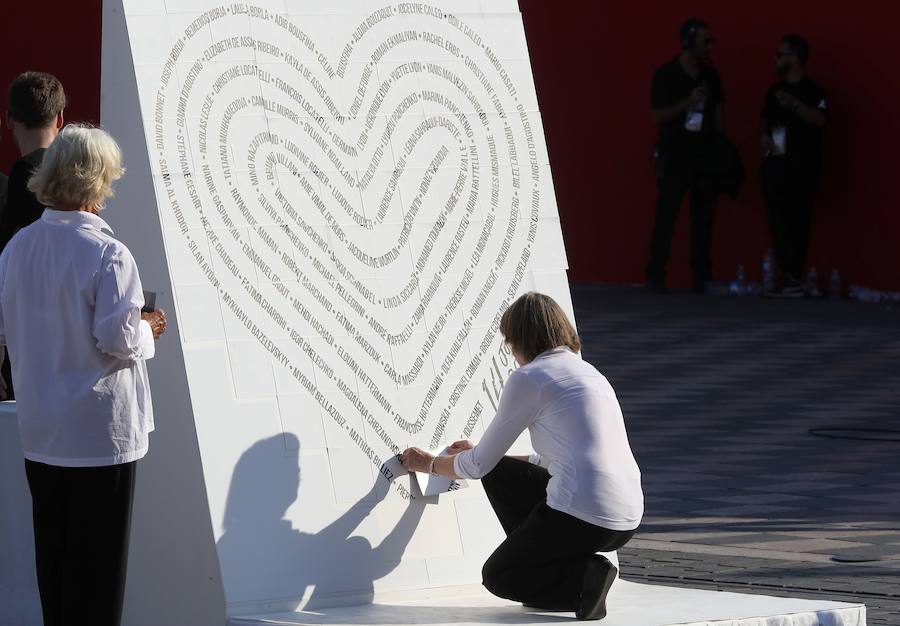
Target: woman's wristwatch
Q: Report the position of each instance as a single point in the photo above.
(431, 465)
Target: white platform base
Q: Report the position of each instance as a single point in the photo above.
(630, 604)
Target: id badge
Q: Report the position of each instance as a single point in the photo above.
(779, 138)
(694, 121)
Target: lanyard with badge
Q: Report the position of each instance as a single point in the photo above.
(693, 123)
(779, 137)
(779, 140)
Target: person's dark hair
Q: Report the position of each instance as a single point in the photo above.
(535, 323)
(687, 34)
(35, 99)
(799, 47)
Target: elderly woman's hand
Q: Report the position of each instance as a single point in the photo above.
(416, 460)
(157, 321)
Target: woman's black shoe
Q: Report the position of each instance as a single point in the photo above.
(598, 578)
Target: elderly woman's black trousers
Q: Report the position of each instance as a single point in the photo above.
(82, 517)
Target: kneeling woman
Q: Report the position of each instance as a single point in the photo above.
(578, 495)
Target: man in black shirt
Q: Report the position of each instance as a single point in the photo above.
(794, 115)
(35, 103)
(687, 99)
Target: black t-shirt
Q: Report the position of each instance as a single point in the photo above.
(671, 85)
(22, 207)
(803, 141)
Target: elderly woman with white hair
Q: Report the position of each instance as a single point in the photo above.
(70, 316)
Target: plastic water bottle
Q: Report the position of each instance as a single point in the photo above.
(834, 285)
(739, 285)
(812, 284)
(768, 272)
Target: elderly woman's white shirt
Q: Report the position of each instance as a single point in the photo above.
(70, 300)
(578, 432)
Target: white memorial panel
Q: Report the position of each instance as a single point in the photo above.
(337, 201)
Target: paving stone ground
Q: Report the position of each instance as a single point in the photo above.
(726, 400)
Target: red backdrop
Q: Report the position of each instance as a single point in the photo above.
(66, 43)
(592, 64)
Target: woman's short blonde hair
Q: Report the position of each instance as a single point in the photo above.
(78, 168)
(535, 323)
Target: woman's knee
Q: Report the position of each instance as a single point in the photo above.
(620, 540)
(492, 580)
(495, 576)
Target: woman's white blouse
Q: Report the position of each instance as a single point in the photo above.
(70, 301)
(578, 432)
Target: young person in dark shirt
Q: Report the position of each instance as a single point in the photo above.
(686, 99)
(35, 103)
(794, 115)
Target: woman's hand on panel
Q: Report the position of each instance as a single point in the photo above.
(416, 460)
(157, 321)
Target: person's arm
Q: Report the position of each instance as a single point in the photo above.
(814, 116)
(519, 404)
(118, 327)
(418, 460)
(811, 115)
(662, 116)
(662, 109)
(444, 467)
(667, 114)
